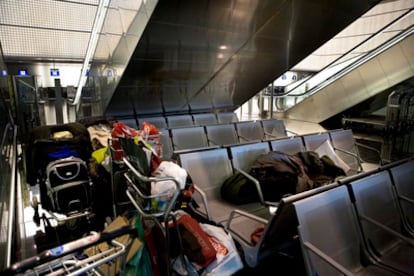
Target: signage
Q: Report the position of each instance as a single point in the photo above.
(23, 72)
(54, 72)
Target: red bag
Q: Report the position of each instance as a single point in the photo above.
(257, 234)
(149, 129)
(152, 136)
(120, 129)
(154, 241)
(196, 243)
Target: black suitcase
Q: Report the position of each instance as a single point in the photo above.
(68, 186)
(42, 145)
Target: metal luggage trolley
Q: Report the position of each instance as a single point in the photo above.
(117, 167)
(95, 254)
(157, 208)
(148, 205)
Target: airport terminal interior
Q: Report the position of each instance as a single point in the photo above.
(207, 137)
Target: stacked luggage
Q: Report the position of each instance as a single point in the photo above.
(62, 160)
(56, 160)
(179, 239)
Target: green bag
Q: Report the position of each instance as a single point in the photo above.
(136, 155)
(140, 264)
(238, 189)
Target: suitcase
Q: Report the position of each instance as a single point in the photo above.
(42, 146)
(68, 186)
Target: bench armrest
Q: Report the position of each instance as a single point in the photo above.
(258, 188)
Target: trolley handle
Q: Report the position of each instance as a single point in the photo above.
(172, 200)
(77, 245)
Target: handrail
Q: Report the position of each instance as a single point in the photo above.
(336, 61)
(12, 200)
(358, 62)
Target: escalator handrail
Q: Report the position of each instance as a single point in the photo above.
(380, 31)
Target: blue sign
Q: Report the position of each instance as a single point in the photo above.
(23, 72)
(3, 73)
(54, 72)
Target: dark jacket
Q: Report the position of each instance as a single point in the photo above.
(280, 173)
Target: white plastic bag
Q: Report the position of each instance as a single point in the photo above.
(171, 169)
(326, 149)
(166, 189)
(227, 260)
(168, 169)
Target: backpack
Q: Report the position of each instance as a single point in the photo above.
(68, 186)
(238, 189)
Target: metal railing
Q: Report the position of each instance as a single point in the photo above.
(12, 153)
(361, 53)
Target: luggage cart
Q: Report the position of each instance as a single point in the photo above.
(117, 169)
(95, 254)
(156, 211)
(149, 207)
(159, 212)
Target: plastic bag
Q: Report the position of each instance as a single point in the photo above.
(140, 264)
(164, 190)
(171, 169)
(326, 149)
(227, 260)
(149, 129)
(152, 136)
(121, 130)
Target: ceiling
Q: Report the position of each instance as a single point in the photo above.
(60, 30)
(193, 55)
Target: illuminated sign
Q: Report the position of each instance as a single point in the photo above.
(23, 72)
(54, 72)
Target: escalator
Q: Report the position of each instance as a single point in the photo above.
(366, 76)
(385, 69)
